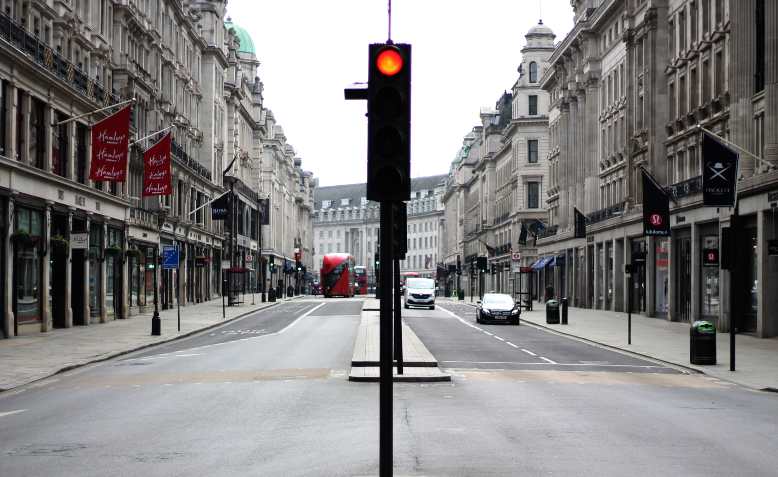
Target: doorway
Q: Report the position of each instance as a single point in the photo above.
(683, 277)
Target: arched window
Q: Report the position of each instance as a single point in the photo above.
(533, 72)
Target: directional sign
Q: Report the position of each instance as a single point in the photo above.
(169, 257)
(516, 256)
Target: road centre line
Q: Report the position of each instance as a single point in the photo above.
(535, 363)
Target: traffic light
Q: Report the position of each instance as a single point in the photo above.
(389, 122)
(377, 260)
(298, 266)
(400, 230)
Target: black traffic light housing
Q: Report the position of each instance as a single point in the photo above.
(389, 122)
(459, 266)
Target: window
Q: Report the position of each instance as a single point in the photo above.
(345, 202)
(325, 204)
(533, 195)
(532, 151)
(533, 72)
(533, 105)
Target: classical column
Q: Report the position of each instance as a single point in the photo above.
(771, 82)
(10, 126)
(69, 274)
(8, 313)
(573, 153)
(742, 50)
(87, 305)
(564, 173)
(103, 293)
(46, 319)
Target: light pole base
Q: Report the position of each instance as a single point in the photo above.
(156, 325)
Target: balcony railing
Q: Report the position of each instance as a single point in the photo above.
(606, 213)
(49, 59)
(685, 188)
(183, 157)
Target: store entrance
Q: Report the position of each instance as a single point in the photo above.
(683, 278)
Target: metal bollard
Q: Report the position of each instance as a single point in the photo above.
(564, 311)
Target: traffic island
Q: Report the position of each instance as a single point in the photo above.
(418, 364)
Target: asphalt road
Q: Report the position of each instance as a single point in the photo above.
(279, 404)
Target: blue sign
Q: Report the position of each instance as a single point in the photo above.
(169, 257)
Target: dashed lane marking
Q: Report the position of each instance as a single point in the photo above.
(548, 360)
(528, 352)
(10, 413)
(511, 344)
(498, 338)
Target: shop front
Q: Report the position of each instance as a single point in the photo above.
(27, 258)
(140, 262)
(661, 276)
(114, 260)
(639, 253)
(682, 265)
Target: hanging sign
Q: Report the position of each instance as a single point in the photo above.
(719, 173)
(656, 208)
(110, 146)
(156, 169)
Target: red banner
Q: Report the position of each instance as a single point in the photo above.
(110, 146)
(156, 169)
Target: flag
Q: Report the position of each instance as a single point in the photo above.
(523, 235)
(220, 207)
(489, 250)
(264, 211)
(719, 173)
(580, 224)
(656, 208)
(110, 146)
(157, 179)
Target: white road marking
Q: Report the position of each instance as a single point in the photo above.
(528, 352)
(187, 355)
(511, 344)
(10, 413)
(548, 360)
(487, 333)
(562, 364)
(497, 337)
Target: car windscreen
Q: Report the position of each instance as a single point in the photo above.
(420, 283)
(497, 301)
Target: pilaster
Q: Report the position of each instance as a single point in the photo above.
(69, 275)
(87, 304)
(46, 319)
(8, 313)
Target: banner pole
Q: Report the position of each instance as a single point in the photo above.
(735, 146)
(152, 134)
(122, 103)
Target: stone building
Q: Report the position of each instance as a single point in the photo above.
(631, 85)
(495, 185)
(63, 60)
(345, 221)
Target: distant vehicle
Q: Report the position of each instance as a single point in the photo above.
(360, 272)
(497, 308)
(316, 289)
(419, 292)
(337, 275)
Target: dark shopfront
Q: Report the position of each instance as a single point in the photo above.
(141, 276)
(746, 277)
(682, 263)
(639, 255)
(27, 269)
(114, 260)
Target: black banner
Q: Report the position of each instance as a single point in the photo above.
(580, 224)
(719, 173)
(220, 208)
(656, 208)
(264, 211)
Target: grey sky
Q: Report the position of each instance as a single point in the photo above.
(465, 54)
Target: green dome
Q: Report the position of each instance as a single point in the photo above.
(246, 44)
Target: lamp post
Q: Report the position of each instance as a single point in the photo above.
(156, 322)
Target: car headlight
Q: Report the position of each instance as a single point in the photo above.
(485, 311)
(515, 311)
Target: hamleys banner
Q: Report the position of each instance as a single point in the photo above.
(156, 169)
(110, 146)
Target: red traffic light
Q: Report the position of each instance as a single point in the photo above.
(389, 61)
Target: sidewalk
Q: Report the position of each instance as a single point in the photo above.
(756, 358)
(24, 359)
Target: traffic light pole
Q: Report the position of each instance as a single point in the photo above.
(385, 333)
(398, 326)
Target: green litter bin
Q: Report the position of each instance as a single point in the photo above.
(702, 343)
(552, 312)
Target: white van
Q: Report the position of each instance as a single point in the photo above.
(420, 292)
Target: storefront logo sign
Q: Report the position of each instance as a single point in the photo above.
(719, 173)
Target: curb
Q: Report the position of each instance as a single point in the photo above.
(141, 347)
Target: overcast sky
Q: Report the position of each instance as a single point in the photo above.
(465, 54)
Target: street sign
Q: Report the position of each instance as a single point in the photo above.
(249, 257)
(169, 257)
(79, 241)
(516, 256)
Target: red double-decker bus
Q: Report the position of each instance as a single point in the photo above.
(337, 275)
(361, 273)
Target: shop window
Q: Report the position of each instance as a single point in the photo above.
(710, 276)
(661, 276)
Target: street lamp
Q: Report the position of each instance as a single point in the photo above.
(156, 322)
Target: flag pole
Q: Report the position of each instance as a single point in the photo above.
(735, 146)
(152, 134)
(121, 103)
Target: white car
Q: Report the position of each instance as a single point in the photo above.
(420, 292)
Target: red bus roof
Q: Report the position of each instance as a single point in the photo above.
(332, 260)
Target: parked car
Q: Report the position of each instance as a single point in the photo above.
(419, 292)
(497, 308)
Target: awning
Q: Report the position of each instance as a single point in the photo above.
(540, 263)
(550, 261)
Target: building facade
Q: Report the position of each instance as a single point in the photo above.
(78, 252)
(344, 221)
(631, 85)
(494, 190)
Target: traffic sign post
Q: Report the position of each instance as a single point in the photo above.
(170, 261)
